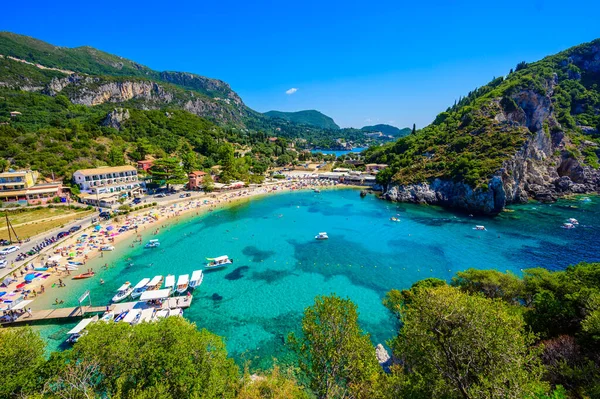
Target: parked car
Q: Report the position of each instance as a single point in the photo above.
(188, 195)
(4, 242)
(9, 250)
(62, 234)
(105, 215)
(137, 200)
(74, 229)
(161, 195)
(3, 263)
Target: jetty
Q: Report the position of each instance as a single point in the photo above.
(74, 313)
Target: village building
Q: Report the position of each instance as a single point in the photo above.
(196, 180)
(104, 186)
(145, 165)
(23, 187)
(375, 167)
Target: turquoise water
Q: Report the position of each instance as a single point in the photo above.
(338, 153)
(279, 267)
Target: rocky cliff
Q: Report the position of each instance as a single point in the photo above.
(557, 156)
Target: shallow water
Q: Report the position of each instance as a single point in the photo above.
(339, 153)
(279, 267)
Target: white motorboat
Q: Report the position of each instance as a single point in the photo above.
(67, 268)
(123, 292)
(107, 248)
(479, 227)
(568, 226)
(161, 314)
(121, 316)
(108, 316)
(196, 280)
(219, 261)
(176, 312)
(155, 283)
(152, 244)
(140, 288)
(322, 236)
(573, 221)
(79, 330)
(133, 316)
(182, 283)
(170, 283)
(147, 315)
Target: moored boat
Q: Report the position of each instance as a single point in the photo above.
(196, 280)
(573, 221)
(132, 317)
(121, 316)
(155, 283)
(152, 244)
(219, 261)
(394, 219)
(83, 275)
(175, 312)
(322, 236)
(182, 283)
(170, 283)
(568, 226)
(79, 330)
(479, 227)
(108, 316)
(123, 292)
(140, 288)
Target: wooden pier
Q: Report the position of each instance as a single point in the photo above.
(182, 302)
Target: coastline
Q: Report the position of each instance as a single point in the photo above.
(157, 217)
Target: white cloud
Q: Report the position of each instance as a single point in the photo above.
(291, 91)
(368, 120)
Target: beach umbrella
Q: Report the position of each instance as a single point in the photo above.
(97, 227)
(109, 228)
(29, 276)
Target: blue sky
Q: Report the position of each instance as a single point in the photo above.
(361, 62)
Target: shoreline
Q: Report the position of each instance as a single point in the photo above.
(157, 217)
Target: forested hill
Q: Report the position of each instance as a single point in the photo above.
(388, 129)
(533, 133)
(308, 117)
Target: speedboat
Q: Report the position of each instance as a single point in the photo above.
(79, 330)
(140, 288)
(479, 227)
(219, 261)
(155, 283)
(170, 283)
(107, 248)
(316, 190)
(573, 221)
(161, 314)
(394, 219)
(568, 226)
(133, 316)
(152, 244)
(147, 315)
(83, 275)
(176, 312)
(108, 316)
(322, 236)
(197, 277)
(183, 283)
(123, 292)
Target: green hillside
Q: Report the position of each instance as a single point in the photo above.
(558, 95)
(309, 117)
(388, 130)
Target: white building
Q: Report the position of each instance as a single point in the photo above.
(105, 180)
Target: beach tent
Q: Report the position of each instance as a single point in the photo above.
(29, 276)
(109, 228)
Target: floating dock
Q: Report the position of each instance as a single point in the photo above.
(182, 302)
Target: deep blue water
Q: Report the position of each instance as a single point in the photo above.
(279, 267)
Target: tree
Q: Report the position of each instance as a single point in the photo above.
(467, 346)
(21, 355)
(414, 129)
(4, 164)
(116, 156)
(335, 354)
(227, 160)
(491, 283)
(273, 385)
(167, 170)
(207, 183)
(170, 356)
(190, 161)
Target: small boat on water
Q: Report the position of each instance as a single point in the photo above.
(83, 275)
(573, 221)
(132, 317)
(161, 314)
(152, 244)
(140, 288)
(568, 226)
(479, 227)
(170, 283)
(147, 315)
(79, 330)
(585, 199)
(316, 190)
(121, 316)
(155, 283)
(108, 316)
(219, 261)
(196, 280)
(123, 292)
(107, 248)
(182, 283)
(176, 312)
(322, 236)
(394, 219)
(67, 267)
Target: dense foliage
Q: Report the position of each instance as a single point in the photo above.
(469, 141)
(308, 117)
(387, 129)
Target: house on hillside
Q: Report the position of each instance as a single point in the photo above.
(22, 186)
(375, 167)
(105, 185)
(145, 165)
(196, 180)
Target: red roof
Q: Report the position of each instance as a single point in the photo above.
(198, 173)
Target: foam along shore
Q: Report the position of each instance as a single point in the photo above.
(58, 265)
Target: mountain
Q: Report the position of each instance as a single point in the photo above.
(309, 117)
(532, 134)
(388, 130)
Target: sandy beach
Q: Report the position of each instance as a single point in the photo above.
(71, 257)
